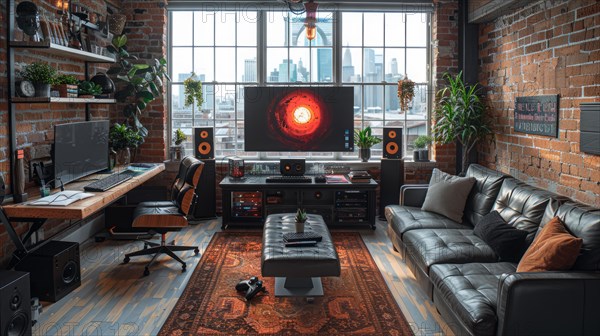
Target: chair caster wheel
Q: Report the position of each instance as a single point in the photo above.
(125, 260)
(146, 271)
(196, 251)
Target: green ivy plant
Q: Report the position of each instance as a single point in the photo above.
(39, 73)
(364, 138)
(141, 83)
(122, 136)
(193, 91)
(179, 137)
(89, 88)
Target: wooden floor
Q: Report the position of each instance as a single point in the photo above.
(115, 299)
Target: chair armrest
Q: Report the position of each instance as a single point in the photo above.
(413, 194)
(541, 303)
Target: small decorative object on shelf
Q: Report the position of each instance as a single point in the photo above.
(193, 91)
(177, 150)
(25, 89)
(107, 85)
(236, 167)
(28, 20)
(42, 76)
(116, 23)
(300, 219)
(406, 93)
(89, 89)
(364, 140)
(421, 152)
(66, 86)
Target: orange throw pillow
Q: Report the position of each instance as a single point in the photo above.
(554, 249)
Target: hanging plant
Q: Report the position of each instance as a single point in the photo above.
(193, 91)
(406, 92)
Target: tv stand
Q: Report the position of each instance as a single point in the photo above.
(250, 200)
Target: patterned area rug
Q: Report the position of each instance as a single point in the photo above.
(358, 302)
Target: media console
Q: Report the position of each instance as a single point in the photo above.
(251, 199)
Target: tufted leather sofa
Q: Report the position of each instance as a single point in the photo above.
(475, 292)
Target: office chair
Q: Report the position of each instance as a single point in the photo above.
(169, 216)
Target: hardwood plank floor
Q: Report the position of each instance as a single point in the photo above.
(115, 299)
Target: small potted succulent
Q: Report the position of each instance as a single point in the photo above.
(89, 89)
(66, 85)
(364, 140)
(42, 76)
(300, 219)
(177, 150)
(421, 152)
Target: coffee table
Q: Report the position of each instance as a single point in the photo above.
(297, 270)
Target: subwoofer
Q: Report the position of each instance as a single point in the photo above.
(292, 167)
(15, 304)
(204, 143)
(392, 143)
(54, 270)
(391, 179)
(206, 191)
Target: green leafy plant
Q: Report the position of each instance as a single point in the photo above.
(39, 73)
(406, 92)
(140, 83)
(179, 137)
(66, 79)
(89, 88)
(422, 141)
(301, 216)
(365, 139)
(460, 116)
(193, 91)
(122, 136)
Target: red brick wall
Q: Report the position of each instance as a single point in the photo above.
(544, 48)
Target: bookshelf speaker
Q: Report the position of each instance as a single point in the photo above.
(15, 303)
(392, 143)
(204, 143)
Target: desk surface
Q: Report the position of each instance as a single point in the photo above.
(82, 208)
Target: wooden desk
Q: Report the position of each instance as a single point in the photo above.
(79, 210)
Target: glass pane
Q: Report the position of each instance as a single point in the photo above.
(394, 64)
(224, 138)
(299, 65)
(204, 28)
(246, 65)
(297, 33)
(351, 29)
(246, 28)
(413, 130)
(276, 29)
(373, 102)
(324, 29)
(373, 29)
(182, 25)
(182, 64)
(352, 65)
(179, 112)
(416, 30)
(373, 65)
(203, 64)
(418, 109)
(225, 58)
(225, 102)
(225, 28)
(277, 64)
(357, 102)
(208, 106)
(416, 65)
(322, 65)
(392, 109)
(394, 29)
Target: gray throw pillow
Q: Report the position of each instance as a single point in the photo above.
(447, 194)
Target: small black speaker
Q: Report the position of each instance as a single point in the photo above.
(54, 270)
(204, 143)
(15, 304)
(391, 179)
(392, 143)
(206, 192)
(292, 167)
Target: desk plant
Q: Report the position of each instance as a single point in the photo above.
(178, 151)
(460, 116)
(300, 219)
(421, 152)
(364, 140)
(41, 75)
(122, 138)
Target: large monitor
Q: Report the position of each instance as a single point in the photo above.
(299, 119)
(80, 149)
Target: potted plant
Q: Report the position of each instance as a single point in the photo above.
(89, 89)
(193, 91)
(365, 140)
(406, 92)
(460, 116)
(41, 75)
(66, 85)
(421, 144)
(177, 149)
(122, 138)
(300, 219)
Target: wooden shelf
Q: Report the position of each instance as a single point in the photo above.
(60, 50)
(35, 100)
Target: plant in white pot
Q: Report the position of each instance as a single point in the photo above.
(421, 144)
(300, 219)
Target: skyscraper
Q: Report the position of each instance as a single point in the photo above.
(284, 75)
(347, 67)
(324, 65)
(250, 70)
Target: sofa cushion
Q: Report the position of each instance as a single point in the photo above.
(484, 192)
(553, 249)
(402, 219)
(447, 194)
(446, 246)
(471, 291)
(505, 240)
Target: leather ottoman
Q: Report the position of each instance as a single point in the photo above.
(297, 269)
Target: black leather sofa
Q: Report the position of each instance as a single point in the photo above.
(474, 292)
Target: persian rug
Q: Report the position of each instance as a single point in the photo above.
(358, 302)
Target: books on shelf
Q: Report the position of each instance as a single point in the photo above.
(336, 178)
(359, 176)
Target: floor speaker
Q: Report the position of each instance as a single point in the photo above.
(206, 191)
(292, 167)
(54, 270)
(15, 304)
(204, 143)
(391, 179)
(392, 143)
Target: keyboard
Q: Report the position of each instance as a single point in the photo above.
(288, 179)
(110, 181)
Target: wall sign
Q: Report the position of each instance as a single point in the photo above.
(537, 115)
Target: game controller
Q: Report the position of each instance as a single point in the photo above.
(252, 287)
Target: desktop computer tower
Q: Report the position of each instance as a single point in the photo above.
(15, 303)
(206, 191)
(54, 270)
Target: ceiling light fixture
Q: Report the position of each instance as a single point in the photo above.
(311, 20)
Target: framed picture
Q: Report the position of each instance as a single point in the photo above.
(537, 115)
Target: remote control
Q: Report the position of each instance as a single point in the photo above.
(301, 243)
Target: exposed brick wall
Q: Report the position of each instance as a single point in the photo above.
(548, 47)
